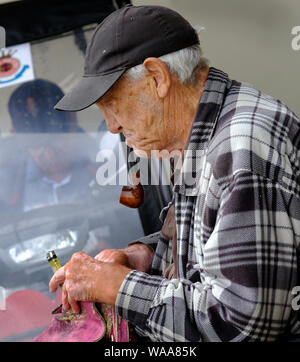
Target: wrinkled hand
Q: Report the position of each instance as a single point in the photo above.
(136, 256)
(87, 279)
(117, 256)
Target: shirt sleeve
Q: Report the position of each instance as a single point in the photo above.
(246, 274)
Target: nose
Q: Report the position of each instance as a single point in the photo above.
(113, 125)
(111, 121)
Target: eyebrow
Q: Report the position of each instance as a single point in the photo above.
(104, 98)
(107, 97)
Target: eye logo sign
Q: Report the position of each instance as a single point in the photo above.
(296, 40)
(10, 67)
(15, 65)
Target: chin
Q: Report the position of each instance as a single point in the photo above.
(154, 151)
(142, 153)
(157, 154)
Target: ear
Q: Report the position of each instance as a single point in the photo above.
(160, 74)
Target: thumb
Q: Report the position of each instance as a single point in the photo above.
(57, 279)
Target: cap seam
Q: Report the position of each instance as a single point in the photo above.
(104, 73)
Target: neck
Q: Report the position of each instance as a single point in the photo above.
(57, 175)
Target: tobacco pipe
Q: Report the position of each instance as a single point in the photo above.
(132, 196)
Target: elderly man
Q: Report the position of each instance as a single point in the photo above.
(234, 249)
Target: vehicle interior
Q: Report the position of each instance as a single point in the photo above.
(50, 197)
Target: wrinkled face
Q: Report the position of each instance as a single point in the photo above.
(131, 107)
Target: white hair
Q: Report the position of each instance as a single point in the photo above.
(183, 63)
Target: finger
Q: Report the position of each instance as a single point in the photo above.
(65, 299)
(103, 254)
(113, 256)
(74, 304)
(57, 279)
(107, 259)
(69, 300)
(99, 257)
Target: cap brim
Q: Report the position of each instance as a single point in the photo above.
(87, 91)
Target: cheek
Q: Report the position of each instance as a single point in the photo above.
(109, 112)
(116, 111)
(122, 113)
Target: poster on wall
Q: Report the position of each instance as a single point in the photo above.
(16, 65)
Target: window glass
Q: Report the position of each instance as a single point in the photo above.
(50, 198)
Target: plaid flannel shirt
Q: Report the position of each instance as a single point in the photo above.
(237, 202)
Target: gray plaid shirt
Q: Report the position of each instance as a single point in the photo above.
(237, 202)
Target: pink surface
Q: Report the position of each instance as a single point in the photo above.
(25, 310)
(87, 326)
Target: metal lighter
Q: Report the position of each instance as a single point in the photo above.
(54, 265)
(53, 261)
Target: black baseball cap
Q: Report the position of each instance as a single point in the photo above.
(123, 40)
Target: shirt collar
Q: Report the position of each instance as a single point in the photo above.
(55, 184)
(205, 121)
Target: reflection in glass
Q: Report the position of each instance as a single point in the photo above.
(54, 171)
